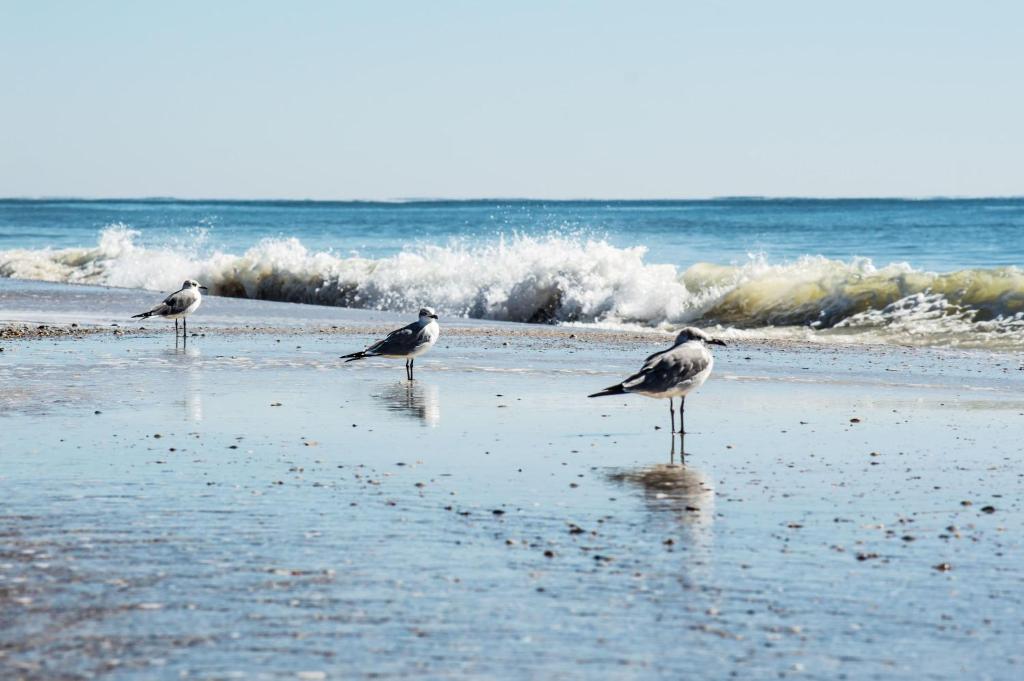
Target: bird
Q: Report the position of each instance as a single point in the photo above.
(178, 305)
(409, 341)
(671, 373)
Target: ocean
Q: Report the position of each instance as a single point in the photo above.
(941, 272)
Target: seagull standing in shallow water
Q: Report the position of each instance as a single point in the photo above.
(671, 373)
(409, 341)
(178, 305)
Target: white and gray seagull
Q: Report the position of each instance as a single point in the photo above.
(408, 342)
(178, 305)
(675, 372)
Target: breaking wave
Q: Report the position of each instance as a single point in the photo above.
(556, 278)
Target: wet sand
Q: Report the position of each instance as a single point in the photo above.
(249, 506)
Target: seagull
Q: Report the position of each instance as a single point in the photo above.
(178, 305)
(672, 373)
(409, 341)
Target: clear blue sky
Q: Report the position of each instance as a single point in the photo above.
(540, 99)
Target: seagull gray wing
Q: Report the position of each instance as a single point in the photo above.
(174, 304)
(665, 370)
(400, 342)
(178, 302)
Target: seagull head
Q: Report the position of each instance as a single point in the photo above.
(427, 313)
(692, 333)
(192, 283)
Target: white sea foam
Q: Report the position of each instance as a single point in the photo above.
(558, 278)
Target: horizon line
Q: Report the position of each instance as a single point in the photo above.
(523, 199)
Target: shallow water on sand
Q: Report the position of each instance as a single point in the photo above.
(251, 506)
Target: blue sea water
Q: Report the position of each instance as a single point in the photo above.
(940, 235)
(933, 271)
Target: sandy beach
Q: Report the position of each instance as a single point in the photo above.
(250, 506)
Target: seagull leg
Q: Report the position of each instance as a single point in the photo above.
(412, 362)
(672, 413)
(175, 328)
(682, 417)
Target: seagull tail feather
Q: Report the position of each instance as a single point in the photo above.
(354, 356)
(613, 390)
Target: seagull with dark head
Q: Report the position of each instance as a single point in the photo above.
(408, 342)
(178, 305)
(671, 373)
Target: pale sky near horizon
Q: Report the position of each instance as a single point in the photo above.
(334, 100)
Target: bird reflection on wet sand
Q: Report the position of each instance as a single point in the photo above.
(417, 399)
(680, 503)
(191, 390)
(684, 491)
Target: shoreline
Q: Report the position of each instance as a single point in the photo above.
(465, 328)
(45, 316)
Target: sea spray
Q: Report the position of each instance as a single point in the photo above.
(564, 279)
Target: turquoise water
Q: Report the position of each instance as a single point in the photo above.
(931, 272)
(941, 235)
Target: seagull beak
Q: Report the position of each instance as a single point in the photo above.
(715, 341)
(433, 316)
(204, 289)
